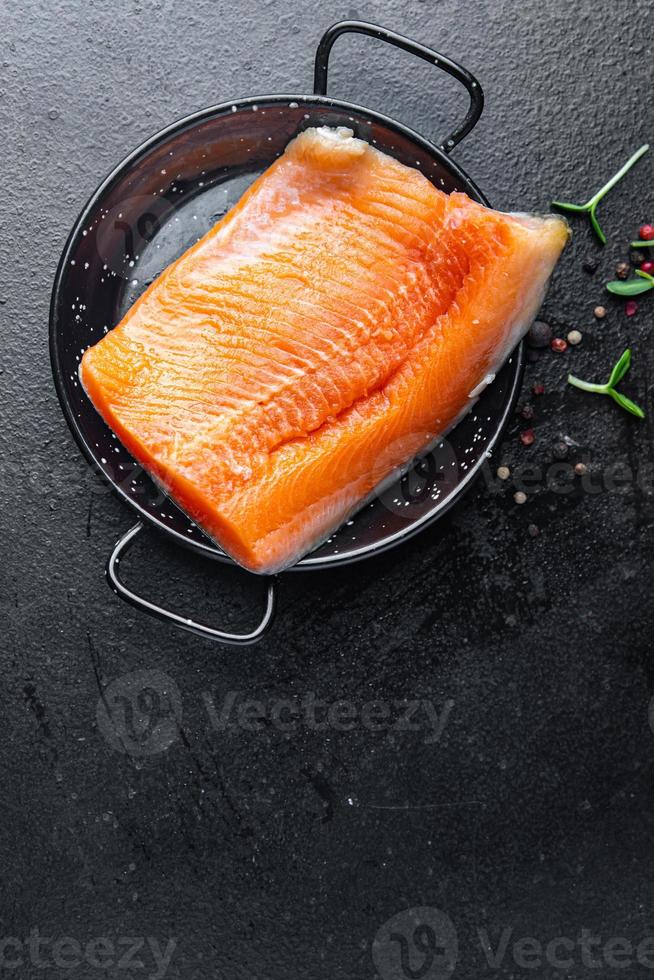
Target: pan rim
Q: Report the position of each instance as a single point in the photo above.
(208, 550)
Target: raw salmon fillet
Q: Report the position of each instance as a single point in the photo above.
(331, 327)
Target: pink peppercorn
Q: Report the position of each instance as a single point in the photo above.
(647, 266)
(538, 389)
(630, 307)
(646, 233)
(527, 437)
(558, 344)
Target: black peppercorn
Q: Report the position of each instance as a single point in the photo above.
(540, 334)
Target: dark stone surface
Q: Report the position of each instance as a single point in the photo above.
(282, 853)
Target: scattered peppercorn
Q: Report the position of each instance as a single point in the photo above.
(647, 266)
(574, 337)
(559, 345)
(581, 469)
(527, 412)
(600, 312)
(540, 334)
(560, 450)
(646, 233)
(503, 472)
(630, 307)
(538, 388)
(636, 257)
(534, 530)
(590, 264)
(527, 437)
(520, 497)
(622, 270)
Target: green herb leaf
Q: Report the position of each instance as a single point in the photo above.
(620, 369)
(643, 244)
(626, 403)
(645, 275)
(630, 287)
(590, 207)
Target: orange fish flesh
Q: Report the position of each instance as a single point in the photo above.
(327, 330)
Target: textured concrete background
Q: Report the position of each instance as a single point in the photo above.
(281, 854)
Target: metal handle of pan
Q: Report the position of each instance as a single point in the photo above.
(208, 632)
(427, 54)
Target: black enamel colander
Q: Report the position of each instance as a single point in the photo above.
(159, 201)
